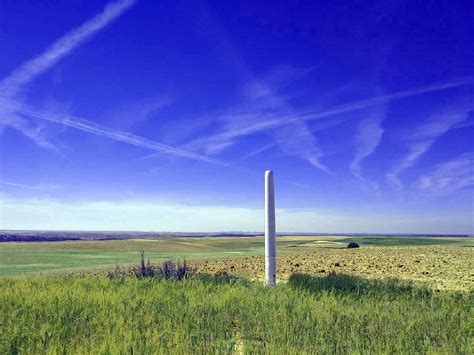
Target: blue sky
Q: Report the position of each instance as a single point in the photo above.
(163, 116)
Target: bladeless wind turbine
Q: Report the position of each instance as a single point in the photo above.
(270, 247)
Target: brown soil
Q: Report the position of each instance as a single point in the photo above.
(439, 267)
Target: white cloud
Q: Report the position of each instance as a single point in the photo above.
(367, 139)
(297, 140)
(424, 136)
(450, 176)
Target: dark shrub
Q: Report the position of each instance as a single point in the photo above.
(144, 270)
(352, 245)
(169, 270)
(172, 271)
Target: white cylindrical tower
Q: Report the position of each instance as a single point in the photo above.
(270, 247)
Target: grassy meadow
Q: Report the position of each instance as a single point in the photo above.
(391, 295)
(212, 314)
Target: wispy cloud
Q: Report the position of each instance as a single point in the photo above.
(136, 111)
(11, 86)
(450, 176)
(265, 112)
(377, 100)
(424, 136)
(13, 83)
(310, 115)
(121, 136)
(367, 138)
(257, 151)
(33, 132)
(296, 139)
(40, 187)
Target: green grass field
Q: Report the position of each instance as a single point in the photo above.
(26, 258)
(335, 314)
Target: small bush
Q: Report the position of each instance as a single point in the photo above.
(169, 270)
(175, 271)
(144, 270)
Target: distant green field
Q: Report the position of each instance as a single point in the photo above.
(33, 257)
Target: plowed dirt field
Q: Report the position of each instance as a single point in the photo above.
(439, 267)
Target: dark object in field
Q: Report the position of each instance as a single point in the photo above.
(172, 271)
(145, 270)
(175, 271)
(352, 245)
(169, 270)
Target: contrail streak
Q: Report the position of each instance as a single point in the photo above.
(14, 82)
(385, 98)
(32, 187)
(11, 86)
(277, 119)
(103, 131)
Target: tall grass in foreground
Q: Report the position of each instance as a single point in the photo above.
(213, 314)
